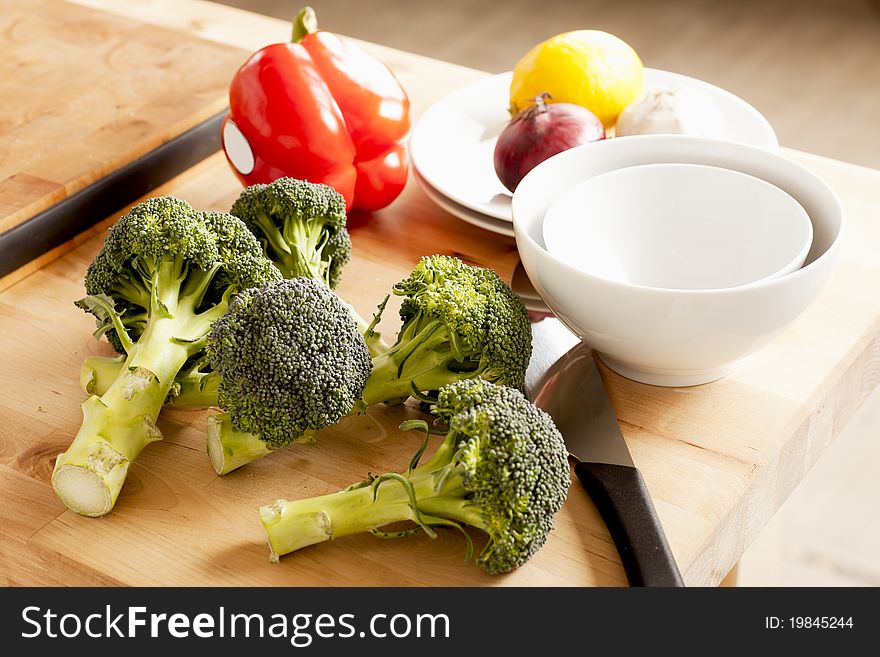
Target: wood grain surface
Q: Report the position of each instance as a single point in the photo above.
(718, 459)
(84, 92)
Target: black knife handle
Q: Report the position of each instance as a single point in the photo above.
(620, 494)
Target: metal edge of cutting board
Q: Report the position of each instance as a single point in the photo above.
(87, 207)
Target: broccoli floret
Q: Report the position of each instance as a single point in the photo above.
(301, 225)
(459, 321)
(502, 468)
(164, 274)
(290, 361)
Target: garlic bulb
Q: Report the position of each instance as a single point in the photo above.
(677, 111)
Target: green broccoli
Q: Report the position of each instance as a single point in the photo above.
(165, 273)
(459, 321)
(502, 468)
(301, 225)
(464, 323)
(290, 361)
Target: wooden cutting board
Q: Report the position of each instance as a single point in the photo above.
(84, 92)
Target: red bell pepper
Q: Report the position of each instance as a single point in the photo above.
(319, 109)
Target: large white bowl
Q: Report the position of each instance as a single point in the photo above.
(673, 337)
(679, 226)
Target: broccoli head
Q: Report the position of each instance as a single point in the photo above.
(502, 468)
(459, 322)
(290, 361)
(513, 465)
(164, 274)
(301, 225)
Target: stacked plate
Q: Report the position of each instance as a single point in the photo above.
(453, 144)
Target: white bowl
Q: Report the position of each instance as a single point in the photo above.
(678, 226)
(673, 337)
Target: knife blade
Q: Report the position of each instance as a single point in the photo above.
(563, 380)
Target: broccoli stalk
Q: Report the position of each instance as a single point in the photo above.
(172, 271)
(371, 336)
(459, 322)
(501, 468)
(420, 361)
(297, 246)
(120, 423)
(230, 449)
(191, 389)
(387, 499)
(292, 525)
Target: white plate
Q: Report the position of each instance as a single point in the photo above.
(453, 143)
(499, 226)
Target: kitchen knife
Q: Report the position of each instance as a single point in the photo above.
(564, 381)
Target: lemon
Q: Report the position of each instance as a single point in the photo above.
(586, 67)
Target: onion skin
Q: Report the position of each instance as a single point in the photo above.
(541, 131)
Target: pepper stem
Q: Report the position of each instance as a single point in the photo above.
(305, 23)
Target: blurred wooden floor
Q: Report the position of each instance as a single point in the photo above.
(812, 67)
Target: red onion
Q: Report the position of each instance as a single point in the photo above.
(540, 131)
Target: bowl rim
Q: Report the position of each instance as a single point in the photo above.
(795, 211)
(521, 233)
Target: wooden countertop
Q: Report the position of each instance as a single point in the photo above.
(718, 459)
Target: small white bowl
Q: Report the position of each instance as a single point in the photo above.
(678, 226)
(673, 337)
